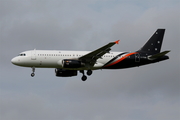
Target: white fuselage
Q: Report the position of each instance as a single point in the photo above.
(53, 58)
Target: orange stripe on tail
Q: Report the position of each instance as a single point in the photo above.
(124, 57)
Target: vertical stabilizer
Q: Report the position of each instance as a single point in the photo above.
(153, 45)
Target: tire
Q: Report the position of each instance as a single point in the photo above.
(89, 72)
(32, 74)
(84, 78)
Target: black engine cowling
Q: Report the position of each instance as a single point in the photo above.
(69, 63)
(65, 73)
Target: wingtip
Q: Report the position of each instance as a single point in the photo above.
(117, 42)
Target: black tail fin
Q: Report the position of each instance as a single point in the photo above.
(153, 45)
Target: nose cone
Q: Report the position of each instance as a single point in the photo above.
(14, 61)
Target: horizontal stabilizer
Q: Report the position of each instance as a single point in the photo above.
(152, 57)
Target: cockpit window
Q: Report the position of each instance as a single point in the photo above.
(22, 54)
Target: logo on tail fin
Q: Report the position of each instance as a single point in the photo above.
(153, 45)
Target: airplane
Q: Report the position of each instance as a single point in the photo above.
(68, 63)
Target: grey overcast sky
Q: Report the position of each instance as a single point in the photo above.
(150, 92)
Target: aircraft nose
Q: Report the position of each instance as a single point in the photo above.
(14, 61)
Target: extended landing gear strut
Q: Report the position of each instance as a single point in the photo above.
(84, 77)
(33, 70)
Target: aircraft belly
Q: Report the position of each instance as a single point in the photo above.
(98, 65)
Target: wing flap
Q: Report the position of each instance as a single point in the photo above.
(96, 54)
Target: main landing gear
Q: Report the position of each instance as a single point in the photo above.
(84, 77)
(33, 70)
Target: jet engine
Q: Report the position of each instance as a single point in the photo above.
(65, 73)
(69, 63)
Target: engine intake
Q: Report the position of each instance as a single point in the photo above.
(68, 63)
(65, 73)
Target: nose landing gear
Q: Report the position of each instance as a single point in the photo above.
(33, 70)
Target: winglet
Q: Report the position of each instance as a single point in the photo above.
(117, 42)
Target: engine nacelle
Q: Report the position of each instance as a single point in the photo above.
(69, 63)
(65, 73)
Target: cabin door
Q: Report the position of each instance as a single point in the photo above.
(137, 57)
(33, 55)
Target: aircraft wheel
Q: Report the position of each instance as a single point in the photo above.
(32, 74)
(84, 78)
(89, 72)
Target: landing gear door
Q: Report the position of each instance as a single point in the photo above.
(137, 57)
(33, 55)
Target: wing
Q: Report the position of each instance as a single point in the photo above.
(90, 58)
